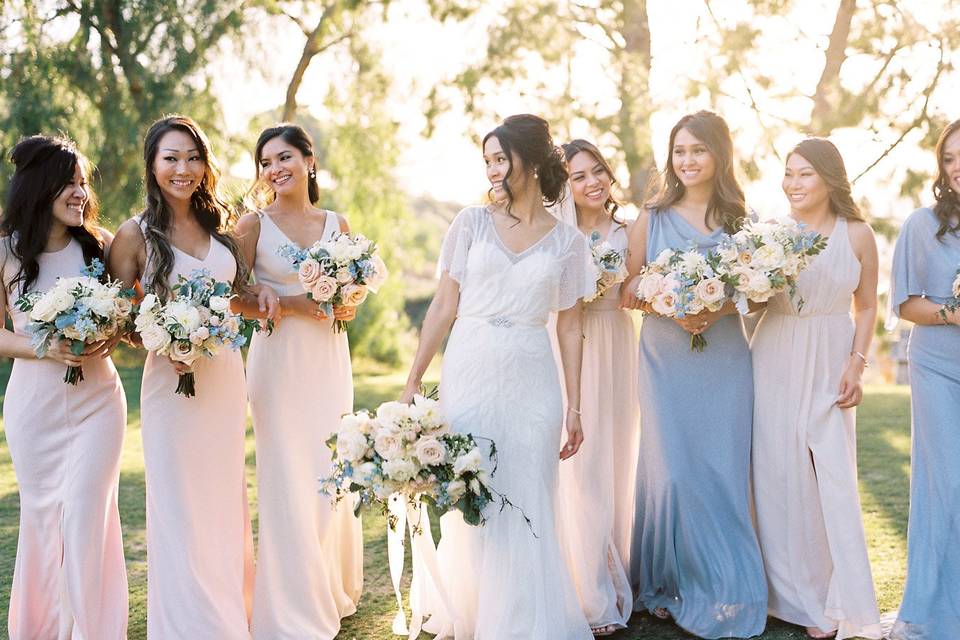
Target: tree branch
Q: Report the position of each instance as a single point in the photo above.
(836, 55)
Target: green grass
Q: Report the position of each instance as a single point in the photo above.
(884, 450)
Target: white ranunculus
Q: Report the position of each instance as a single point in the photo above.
(351, 445)
(219, 303)
(388, 444)
(154, 337)
(184, 314)
(649, 286)
(470, 461)
(758, 287)
(400, 470)
(769, 256)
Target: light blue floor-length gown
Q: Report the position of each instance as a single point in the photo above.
(926, 266)
(695, 552)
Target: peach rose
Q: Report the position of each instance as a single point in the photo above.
(324, 288)
(353, 295)
(309, 272)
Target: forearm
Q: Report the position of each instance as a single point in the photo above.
(570, 339)
(436, 325)
(925, 312)
(864, 321)
(14, 346)
(247, 305)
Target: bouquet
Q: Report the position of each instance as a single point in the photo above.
(80, 311)
(681, 283)
(953, 303)
(338, 272)
(195, 323)
(764, 258)
(410, 450)
(609, 263)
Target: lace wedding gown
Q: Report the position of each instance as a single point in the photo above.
(506, 580)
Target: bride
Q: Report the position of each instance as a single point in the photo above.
(504, 268)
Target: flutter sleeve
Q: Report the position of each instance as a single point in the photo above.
(457, 243)
(909, 274)
(577, 273)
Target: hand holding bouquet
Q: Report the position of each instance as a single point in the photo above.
(196, 323)
(682, 283)
(409, 449)
(764, 258)
(78, 311)
(953, 303)
(609, 263)
(338, 272)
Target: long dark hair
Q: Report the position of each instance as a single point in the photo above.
(577, 145)
(947, 206)
(210, 210)
(296, 136)
(44, 167)
(528, 136)
(727, 206)
(826, 160)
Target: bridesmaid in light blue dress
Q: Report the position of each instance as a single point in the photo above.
(925, 264)
(695, 555)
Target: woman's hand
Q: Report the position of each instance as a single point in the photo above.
(574, 436)
(59, 351)
(346, 314)
(304, 307)
(269, 303)
(851, 383)
(628, 295)
(408, 392)
(698, 323)
(181, 367)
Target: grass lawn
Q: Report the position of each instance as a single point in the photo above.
(884, 450)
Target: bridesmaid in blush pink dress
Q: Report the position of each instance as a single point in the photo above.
(595, 509)
(70, 580)
(310, 555)
(199, 543)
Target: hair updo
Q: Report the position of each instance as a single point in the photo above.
(527, 137)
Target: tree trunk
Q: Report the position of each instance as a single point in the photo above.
(825, 99)
(633, 120)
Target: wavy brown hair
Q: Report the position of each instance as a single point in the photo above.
(727, 207)
(297, 137)
(826, 160)
(947, 205)
(45, 165)
(207, 206)
(572, 148)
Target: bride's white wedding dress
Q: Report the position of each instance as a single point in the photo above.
(506, 580)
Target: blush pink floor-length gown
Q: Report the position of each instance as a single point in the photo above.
(199, 543)
(309, 555)
(70, 580)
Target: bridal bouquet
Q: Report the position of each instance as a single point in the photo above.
(410, 450)
(953, 303)
(196, 323)
(765, 258)
(682, 283)
(338, 272)
(80, 311)
(609, 263)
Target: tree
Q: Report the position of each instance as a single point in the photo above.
(103, 70)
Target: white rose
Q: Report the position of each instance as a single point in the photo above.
(665, 303)
(100, 305)
(388, 444)
(728, 253)
(184, 314)
(122, 306)
(44, 310)
(184, 351)
(197, 336)
(694, 307)
(400, 470)
(430, 451)
(363, 473)
(219, 303)
(470, 461)
(63, 300)
(758, 287)
(391, 413)
(710, 290)
(154, 337)
(148, 303)
(344, 276)
(351, 445)
(792, 265)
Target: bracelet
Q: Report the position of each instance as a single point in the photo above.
(576, 411)
(862, 357)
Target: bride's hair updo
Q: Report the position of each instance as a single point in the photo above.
(528, 138)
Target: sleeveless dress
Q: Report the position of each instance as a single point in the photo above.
(695, 552)
(925, 266)
(805, 453)
(310, 555)
(70, 579)
(199, 542)
(595, 510)
(499, 381)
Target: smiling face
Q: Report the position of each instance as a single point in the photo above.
(692, 161)
(804, 187)
(283, 167)
(71, 203)
(590, 182)
(178, 165)
(498, 165)
(950, 161)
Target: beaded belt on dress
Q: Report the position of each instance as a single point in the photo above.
(502, 322)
